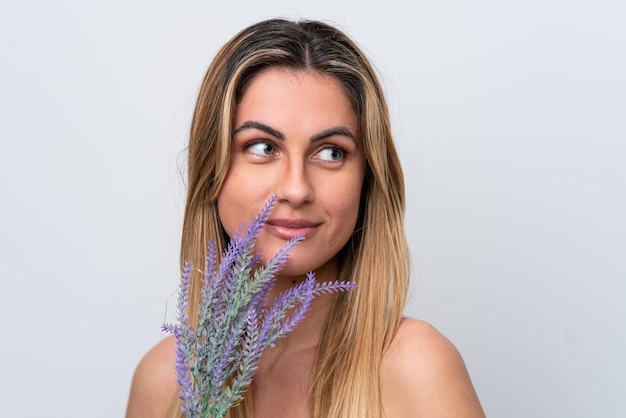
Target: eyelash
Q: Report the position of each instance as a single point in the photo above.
(344, 152)
(341, 150)
(246, 147)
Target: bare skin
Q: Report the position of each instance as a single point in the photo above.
(423, 376)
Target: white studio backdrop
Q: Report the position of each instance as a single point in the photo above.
(510, 120)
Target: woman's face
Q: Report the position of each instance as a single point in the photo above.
(296, 136)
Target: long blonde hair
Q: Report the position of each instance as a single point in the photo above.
(363, 322)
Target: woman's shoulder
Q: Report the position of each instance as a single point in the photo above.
(423, 375)
(154, 386)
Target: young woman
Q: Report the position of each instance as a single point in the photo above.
(295, 109)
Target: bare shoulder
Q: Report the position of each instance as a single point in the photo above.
(154, 386)
(423, 375)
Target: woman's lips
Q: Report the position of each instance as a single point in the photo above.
(290, 228)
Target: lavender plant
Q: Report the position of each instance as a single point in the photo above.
(216, 360)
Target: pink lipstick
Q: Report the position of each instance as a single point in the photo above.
(288, 228)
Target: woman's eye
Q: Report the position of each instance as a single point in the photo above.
(331, 154)
(261, 148)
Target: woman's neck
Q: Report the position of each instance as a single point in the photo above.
(306, 335)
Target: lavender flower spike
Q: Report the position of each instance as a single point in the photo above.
(216, 360)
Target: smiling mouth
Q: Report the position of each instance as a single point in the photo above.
(291, 228)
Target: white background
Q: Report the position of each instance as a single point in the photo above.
(510, 119)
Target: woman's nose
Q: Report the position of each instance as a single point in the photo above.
(294, 185)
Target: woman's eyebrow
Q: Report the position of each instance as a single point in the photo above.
(251, 124)
(339, 130)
